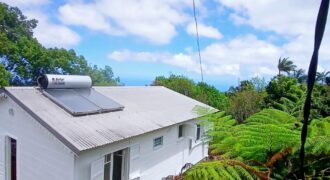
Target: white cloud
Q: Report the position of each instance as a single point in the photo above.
(85, 15)
(241, 50)
(222, 58)
(292, 20)
(155, 21)
(184, 61)
(50, 34)
(292, 17)
(203, 31)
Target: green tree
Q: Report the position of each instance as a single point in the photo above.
(259, 84)
(103, 76)
(211, 96)
(26, 59)
(200, 91)
(286, 94)
(285, 65)
(180, 84)
(320, 106)
(4, 76)
(245, 85)
(244, 103)
(300, 75)
(246, 99)
(321, 76)
(14, 23)
(327, 81)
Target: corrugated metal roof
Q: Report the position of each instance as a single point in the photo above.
(146, 109)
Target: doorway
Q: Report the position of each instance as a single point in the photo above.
(11, 159)
(116, 165)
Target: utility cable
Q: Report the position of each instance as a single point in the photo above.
(197, 37)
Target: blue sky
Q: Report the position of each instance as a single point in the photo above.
(142, 39)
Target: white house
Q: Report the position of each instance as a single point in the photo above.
(142, 133)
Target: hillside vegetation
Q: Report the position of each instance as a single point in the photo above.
(257, 133)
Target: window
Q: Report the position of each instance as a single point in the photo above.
(198, 133)
(11, 158)
(115, 166)
(180, 131)
(158, 142)
(107, 167)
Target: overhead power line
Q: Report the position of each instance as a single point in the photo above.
(197, 38)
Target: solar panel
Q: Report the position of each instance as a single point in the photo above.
(82, 101)
(105, 103)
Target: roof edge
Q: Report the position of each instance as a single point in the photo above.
(42, 122)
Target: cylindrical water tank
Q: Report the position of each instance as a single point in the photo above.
(53, 81)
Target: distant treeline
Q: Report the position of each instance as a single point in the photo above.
(285, 92)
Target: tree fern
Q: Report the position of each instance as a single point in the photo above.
(264, 133)
(319, 137)
(220, 169)
(261, 147)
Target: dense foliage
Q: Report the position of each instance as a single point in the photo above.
(5, 76)
(246, 99)
(286, 94)
(22, 56)
(258, 134)
(264, 146)
(200, 91)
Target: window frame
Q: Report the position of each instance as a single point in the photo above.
(8, 159)
(180, 135)
(108, 160)
(198, 132)
(157, 146)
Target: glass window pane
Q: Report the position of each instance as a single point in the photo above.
(198, 136)
(71, 101)
(100, 100)
(180, 131)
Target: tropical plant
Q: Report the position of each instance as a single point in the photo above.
(321, 76)
(264, 146)
(320, 106)
(300, 75)
(222, 169)
(327, 81)
(286, 94)
(285, 65)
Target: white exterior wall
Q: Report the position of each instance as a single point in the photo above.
(40, 155)
(145, 161)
